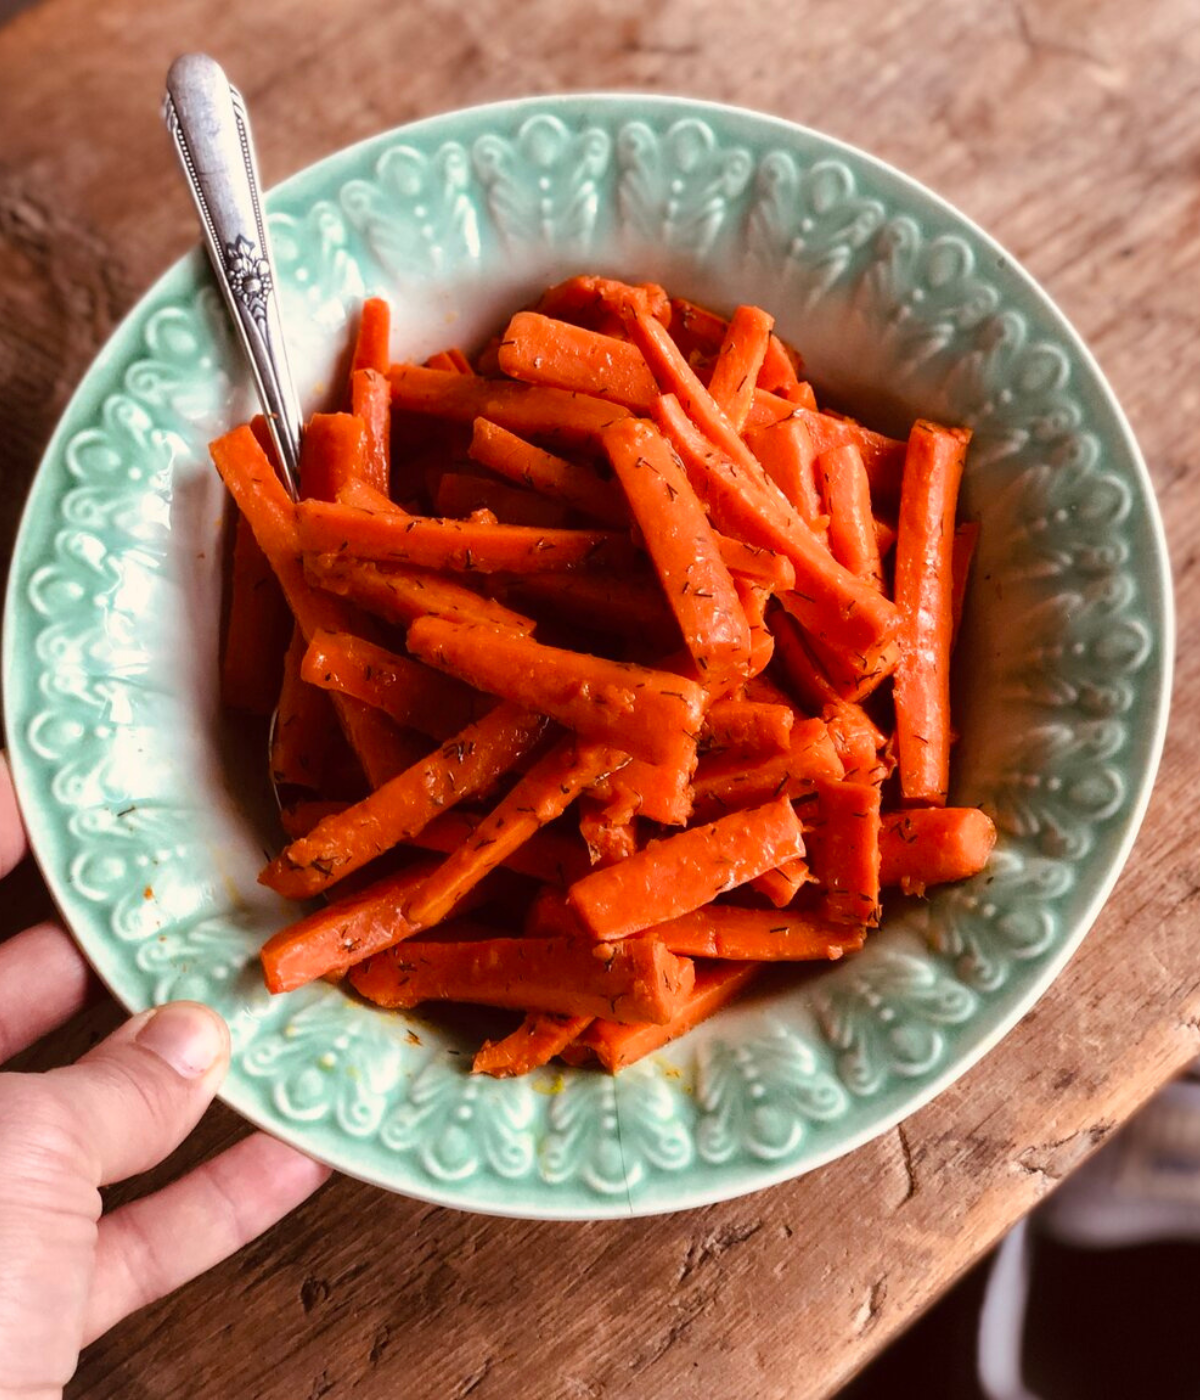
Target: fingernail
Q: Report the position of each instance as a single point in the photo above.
(187, 1035)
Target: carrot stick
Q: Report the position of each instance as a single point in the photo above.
(371, 401)
(332, 451)
(858, 741)
(697, 331)
(784, 883)
(574, 420)
(550, 857)
(757, 935)
(885, 537)
(786, 453)
(618, 1046)
(754, 602)
(334, 938)
(402, 595)
(809, 684)
(739, 361)
(933, 845)
(828, 599)
(883, 457)
(257, 631)
(535, 1042)
(597, 301)
(725, 782)
(382, 748)
(458, 494)
(680, 873)
(682, 547)
(609, 835)
(371, 349)
(453, 360)
(966, 537)
(844, 851)
(539, 350)
(762, 567)
(429, 543)
(300, 739)
(465, 765)
(743, 727)
(924, 592)
(651, 714)
(575, 486)
(766, 410)
(299, 818)
(629, 982)
(411, 694)
(629, 605)
(780, 367)
(538, 797)
(851, 525)
(661, 792)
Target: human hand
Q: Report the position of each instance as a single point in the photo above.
(67, 1273)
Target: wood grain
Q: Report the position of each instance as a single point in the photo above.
(1067, 129)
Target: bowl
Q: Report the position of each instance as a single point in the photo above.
(150, 823)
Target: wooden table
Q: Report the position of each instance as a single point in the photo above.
(1071, 130)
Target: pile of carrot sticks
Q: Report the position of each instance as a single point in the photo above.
(608, 668)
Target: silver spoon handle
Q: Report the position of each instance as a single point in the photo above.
(207, 121)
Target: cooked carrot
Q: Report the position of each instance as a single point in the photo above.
(697, 331)
(755, 601)
(576, 486)
(933, 845)
(858, 741)
(402, 595)
(683, 548)
(299, 739)
(882, 456)
(762, 567)
(809, 684)
(766, 410)
(651, 714)
(756, 935)
(784, 883)
(885, 536)
(600, 301)
(458, 494)
(550, 857)
(463, 766)
(746, 728)
(537, 798)
(299, 818)
(371, 401)
(739, 360)
(429, 543)
(924, 593)
(411, 694)
(966, 537)
(780, 367)
(786, 453)
(630, 982)
(828, 599)
(535, 1042)
(372, 348)
(843, 841)
(661, 792)
(681, 872)
(332, 451)
(382, 748)
(609, 835)
(848, 500)
(257, 630)
(628, 604)
(574, 420)
(341, 934)
(453, 360)
(725, 782)
(618, 1046)
(539, 350)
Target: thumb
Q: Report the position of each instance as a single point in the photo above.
(134, 1098)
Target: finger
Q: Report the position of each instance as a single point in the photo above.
(13, 844)
(137, 1095)
(44, 981)
(147, 1249)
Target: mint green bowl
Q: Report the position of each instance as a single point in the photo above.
(150, 825)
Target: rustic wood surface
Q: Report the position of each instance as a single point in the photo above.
(1068, 128)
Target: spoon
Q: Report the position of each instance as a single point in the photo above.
(207, 120)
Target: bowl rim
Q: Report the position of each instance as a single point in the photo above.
(679, 107)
